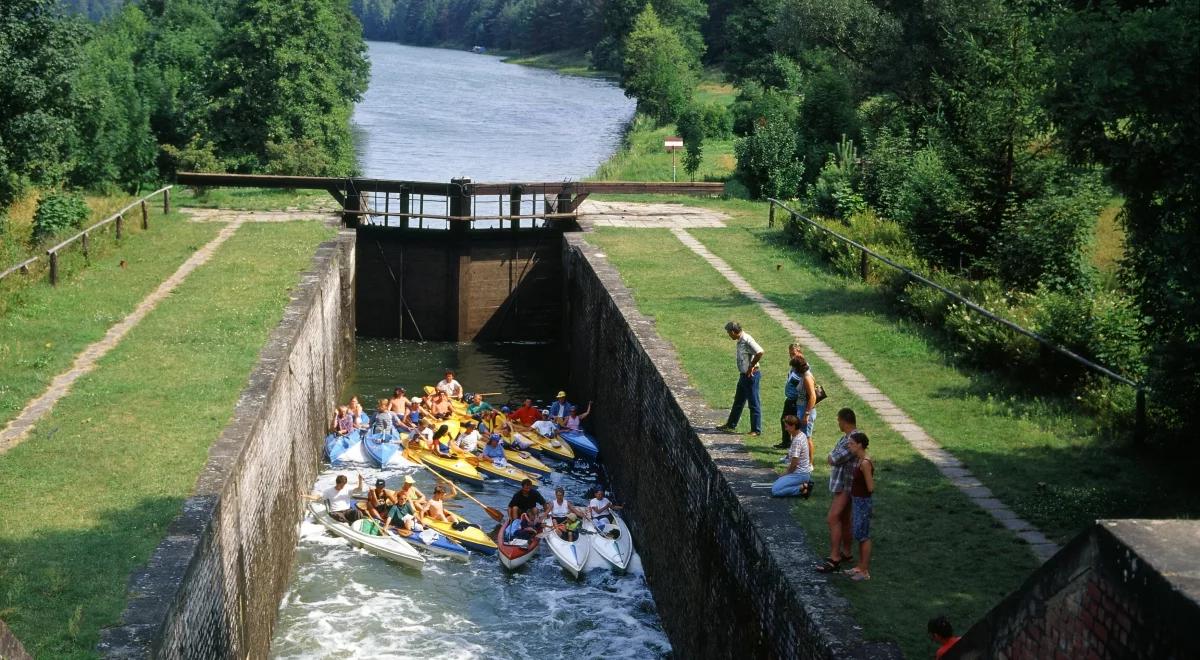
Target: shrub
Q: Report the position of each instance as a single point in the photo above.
(767, 162)
(717, 121)
(56, 212)
(754, 105)
(833, 193)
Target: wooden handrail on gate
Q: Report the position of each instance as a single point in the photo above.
(118, 218)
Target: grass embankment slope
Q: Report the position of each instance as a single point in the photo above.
(88, 497)
(936, 552)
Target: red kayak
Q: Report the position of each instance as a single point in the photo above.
(514, 554)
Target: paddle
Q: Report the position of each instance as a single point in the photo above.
(494, 514)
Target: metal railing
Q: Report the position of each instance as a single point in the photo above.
(867, 253)
(84, 236)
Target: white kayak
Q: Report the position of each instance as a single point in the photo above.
(615, 544)
(367, 537)
(573, 555)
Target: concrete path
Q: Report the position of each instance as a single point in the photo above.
(947, 464)
(647, 216)
(18, 429)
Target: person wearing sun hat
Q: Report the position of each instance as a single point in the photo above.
(493, 452)
(560, 408)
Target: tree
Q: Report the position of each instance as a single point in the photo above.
(691, 129)
(659, 71)
(1127, 93)
(767, 161)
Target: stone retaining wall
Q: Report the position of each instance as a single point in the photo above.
(730, 569)
(212, 587)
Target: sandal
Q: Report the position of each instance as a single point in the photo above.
(846, 558)
(859, 576)
(830, 565)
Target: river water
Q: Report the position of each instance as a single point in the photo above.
(345, 603)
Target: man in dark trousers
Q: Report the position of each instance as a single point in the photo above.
(748, 354)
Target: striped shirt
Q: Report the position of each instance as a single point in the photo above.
(841, 472)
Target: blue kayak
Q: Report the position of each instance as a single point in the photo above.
(583, 444)
(434, 543)
(381, 447)
(336, 445)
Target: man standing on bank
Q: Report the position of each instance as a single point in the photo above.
(749, 353)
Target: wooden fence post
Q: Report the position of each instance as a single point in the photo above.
(863, 268)
(771, 217)
(514, 204)
(53, 269)
(166, 201)
(84, 240)
(120, 221)
(145, 216)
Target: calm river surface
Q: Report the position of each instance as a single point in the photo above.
(434, 114)
(430, 115)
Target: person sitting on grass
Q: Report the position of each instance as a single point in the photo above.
(797, 480)
(942, 634)
(861, 488)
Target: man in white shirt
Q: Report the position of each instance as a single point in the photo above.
(748, 354)
(342, 506)
(798, 478)
(545, 426)
(600, 509)
(468, 438)
(451, 387)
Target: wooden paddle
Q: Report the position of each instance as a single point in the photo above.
(494, 514)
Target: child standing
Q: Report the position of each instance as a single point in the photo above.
(861, 489)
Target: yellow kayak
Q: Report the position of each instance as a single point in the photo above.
(552, 447)
(508, 473)
(454, 467)
(471, 537)
(527, 462)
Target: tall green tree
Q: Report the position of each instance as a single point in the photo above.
(660, 72)
(288, 75)
(1126, 95)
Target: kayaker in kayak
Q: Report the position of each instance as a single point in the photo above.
(526, 501)
(493, 452)
(435, 509)
(440, 442)
(356, 413)
(545, 426)
(478, 406)
(468, 438)
(341, 504)
(568, 529)
(574, 420)
(527, 414)
(600, 509)
(439, 405)
(515, 439)
(521, 528)
(410, 493)
(379, 501)
(561, 507)
(452, 388)
(560, 408)
(400, 400)
(342, 423)
(385, 419)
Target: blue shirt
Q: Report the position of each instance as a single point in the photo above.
(791, 389)
(560, 409)
(493, 452)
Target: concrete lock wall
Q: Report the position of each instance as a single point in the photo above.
(212, 587)
(730, 570)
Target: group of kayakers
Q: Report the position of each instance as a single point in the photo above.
(406, 508)
(528, 511)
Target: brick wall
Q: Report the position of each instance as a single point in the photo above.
(212, 587)
(1121, 589)
(730, 570)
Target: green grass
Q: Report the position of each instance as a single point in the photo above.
(935, 552)
(254, 199)
(88, 497)
(43, 328)
(1109, 244)
(569, 62)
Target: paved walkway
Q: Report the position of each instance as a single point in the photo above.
(18, 429)
(647, 216)
(947, 464)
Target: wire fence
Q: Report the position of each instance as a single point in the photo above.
(866, 254)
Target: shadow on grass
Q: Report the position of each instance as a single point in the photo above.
(59, 587)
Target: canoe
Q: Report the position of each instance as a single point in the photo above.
(616, 551)
(381, 448)
(526, 461)
(472, 538)
(436, 543)
(550, 447)
(453, 468)
(583, 444)
(509, 473)
(337, 445)
(573, 555)
(514, 555)
(365, 534)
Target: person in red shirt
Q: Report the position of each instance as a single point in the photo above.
(942, 634)
(527, 414)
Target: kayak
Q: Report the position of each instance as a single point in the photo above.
(507, 473)
(616, 546)
(526, 461)
(337, 445)
(551, 447)
(433, 542)
(573, 555)
(514, 554)
(583, 444)
(471, 537)
(381, 448)
(453, 467)
(365, 534)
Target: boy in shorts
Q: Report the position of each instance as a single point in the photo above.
(861, 489)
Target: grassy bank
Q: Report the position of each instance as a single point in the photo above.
(569, 62)
(935, 551)
(89, 496)
(43, 328)
(254, 199)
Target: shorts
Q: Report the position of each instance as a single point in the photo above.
(861, 518)
(348, 516)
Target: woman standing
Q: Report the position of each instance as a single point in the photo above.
(800, 383)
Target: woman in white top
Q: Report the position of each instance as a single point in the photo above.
(798, 478)
(574, 419)
(560, 507)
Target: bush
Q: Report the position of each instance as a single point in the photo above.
(717, 121)
(754, 105)
(56, 212)
(833, 193)
(766, 160)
